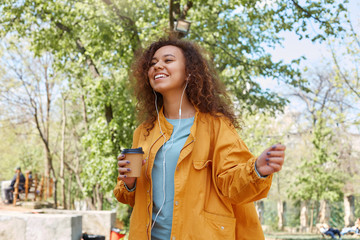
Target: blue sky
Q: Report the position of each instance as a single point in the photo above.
(317, 54)
(314, 52)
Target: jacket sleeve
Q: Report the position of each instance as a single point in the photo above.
(121, 193)
(234, 168)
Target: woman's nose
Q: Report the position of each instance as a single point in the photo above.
(158, 65)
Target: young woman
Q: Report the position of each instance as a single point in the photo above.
(198, 180)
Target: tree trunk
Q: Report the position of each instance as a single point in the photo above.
(99, 197)
(85, 118)
(324, 212)
(89, 201)
(311, 218)
(281, 206)
(260, 210)
(304, 216)
(349, 210)
(62, 155)
(69, 199)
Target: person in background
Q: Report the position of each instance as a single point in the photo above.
(9, 190)
(354, 229)
(30, 174)
(199, 179)
(327, 230)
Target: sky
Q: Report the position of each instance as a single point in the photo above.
(314, 52)
(317, 54)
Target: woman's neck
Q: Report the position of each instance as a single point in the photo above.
(171, 108)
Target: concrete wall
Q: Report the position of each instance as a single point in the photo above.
(27, 226)
(93, 222)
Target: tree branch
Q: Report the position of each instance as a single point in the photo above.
(128, 22)
(81, 48)
(308, 14)
(342, 75)
(185, 10)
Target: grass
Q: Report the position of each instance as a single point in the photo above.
(297, 236)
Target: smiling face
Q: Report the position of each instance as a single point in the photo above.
(167, 70)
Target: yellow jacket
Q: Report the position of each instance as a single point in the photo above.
(215, 184)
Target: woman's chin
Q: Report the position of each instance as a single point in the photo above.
(160, 89)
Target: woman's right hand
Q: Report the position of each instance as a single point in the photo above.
(123, 170)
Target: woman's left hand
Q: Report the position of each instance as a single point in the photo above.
(271, 160)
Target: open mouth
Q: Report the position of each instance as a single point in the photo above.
(160, 76)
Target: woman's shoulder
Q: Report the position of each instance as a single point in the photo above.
(218, 121)
(215, 117)
(142, 127)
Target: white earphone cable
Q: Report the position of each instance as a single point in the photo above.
(165, 150)
(157, 111)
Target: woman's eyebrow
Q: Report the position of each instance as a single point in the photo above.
(166, 55)
(169, 55)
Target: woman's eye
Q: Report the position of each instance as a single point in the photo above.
(152, 63)
(168, 60)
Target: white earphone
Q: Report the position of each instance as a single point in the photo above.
(172, 142)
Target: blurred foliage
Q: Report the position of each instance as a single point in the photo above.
(92, 44)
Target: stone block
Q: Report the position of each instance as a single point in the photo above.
(29, 226)
(12, 227)
(93, 222)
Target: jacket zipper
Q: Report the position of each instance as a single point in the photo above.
(147, 162)
(188, 144)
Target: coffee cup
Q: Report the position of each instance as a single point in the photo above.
(135, 157)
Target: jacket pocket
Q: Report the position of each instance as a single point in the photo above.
(210, 226)
(221, 227)
(201, 164)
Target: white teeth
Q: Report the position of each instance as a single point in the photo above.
(160, 76)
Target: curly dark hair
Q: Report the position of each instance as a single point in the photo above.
(204, 90)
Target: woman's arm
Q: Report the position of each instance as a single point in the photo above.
(125, 188)
(234, 167)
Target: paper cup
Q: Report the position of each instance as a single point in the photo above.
(135, 157)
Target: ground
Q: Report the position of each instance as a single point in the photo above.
(268, 235)
(10, 207)
(298, 236)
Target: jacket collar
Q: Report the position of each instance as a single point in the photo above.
(167, 128)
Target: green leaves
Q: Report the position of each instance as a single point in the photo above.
(93, 43)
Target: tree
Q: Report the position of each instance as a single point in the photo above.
(235, 39)
(259, 132)
(345, 56)
(318, 178)
(28, 89)
(92, 44)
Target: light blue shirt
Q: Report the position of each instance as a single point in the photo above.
(171, 150)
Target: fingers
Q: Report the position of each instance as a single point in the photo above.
(123, 168)
(275, 166)
(278, 147)
(275, 153)
(275, 157)
(123, 163)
